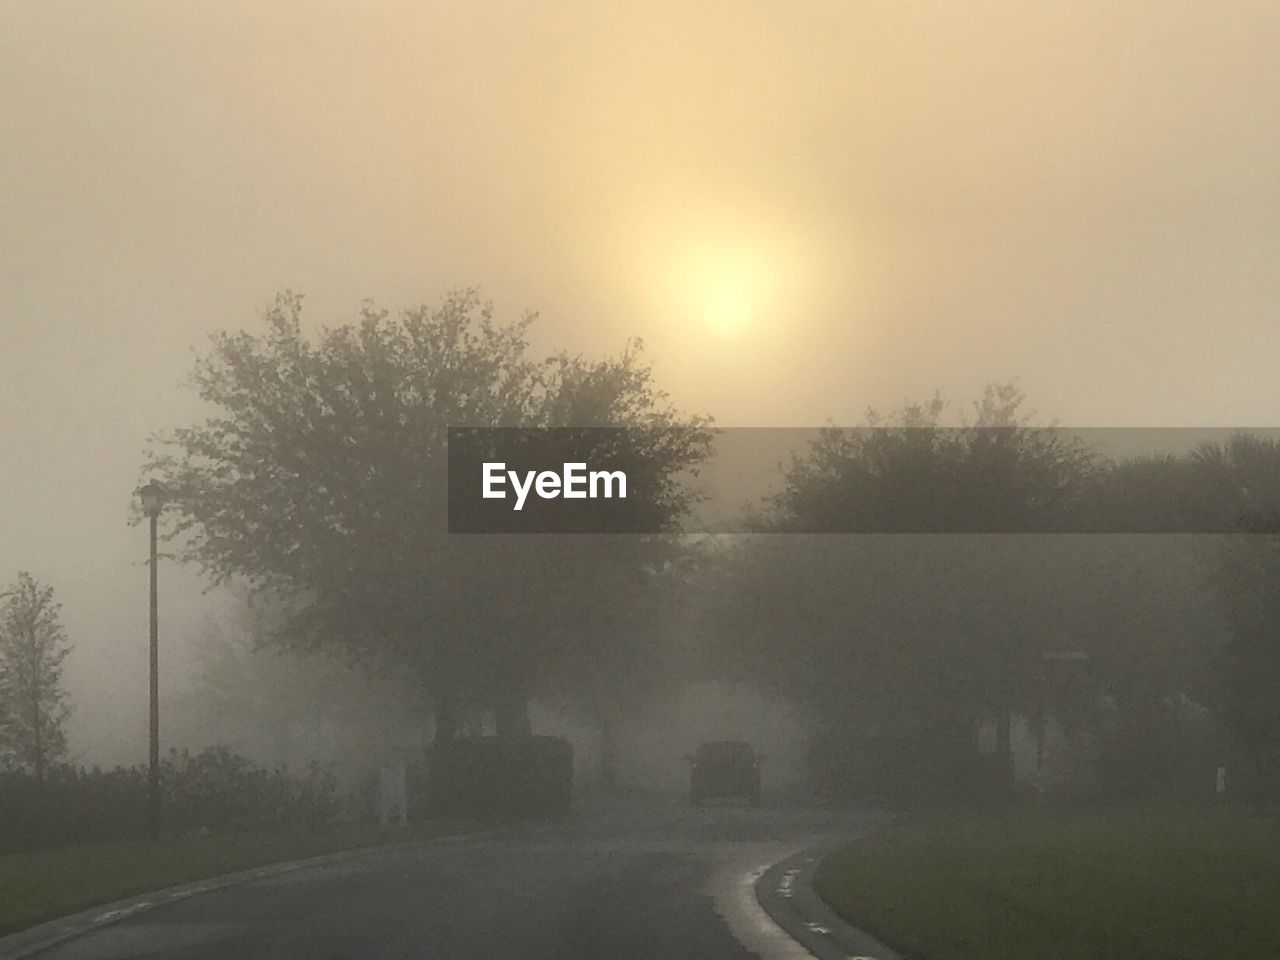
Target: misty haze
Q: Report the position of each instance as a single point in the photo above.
(597, 480)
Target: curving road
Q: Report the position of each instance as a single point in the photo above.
(616, 884)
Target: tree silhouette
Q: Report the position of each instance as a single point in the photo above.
(321, 481)
(33, 704)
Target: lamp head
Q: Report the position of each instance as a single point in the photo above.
(152, 497)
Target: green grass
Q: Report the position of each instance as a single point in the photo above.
(1138, 885)
(46, 884)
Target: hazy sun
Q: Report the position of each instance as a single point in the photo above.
(727, 309)
(724, 282)
(724, 287)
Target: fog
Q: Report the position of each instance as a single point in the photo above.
(803, 210)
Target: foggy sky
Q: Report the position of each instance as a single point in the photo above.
(918, 195)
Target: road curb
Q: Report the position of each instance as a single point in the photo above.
(33, 940)
(785, 892)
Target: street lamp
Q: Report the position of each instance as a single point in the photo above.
(152, 497)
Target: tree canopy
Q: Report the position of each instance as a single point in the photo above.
(907, 472)
(33, 705)
(320, 479)
(928, 635)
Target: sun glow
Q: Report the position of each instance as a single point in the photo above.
(728, 309)
(720, 281)
(727, 289)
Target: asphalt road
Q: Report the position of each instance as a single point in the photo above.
(624, 883)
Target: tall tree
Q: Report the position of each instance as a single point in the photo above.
(922, 635)
(321, 479)
(33, 703)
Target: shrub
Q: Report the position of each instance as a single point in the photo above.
(213, 790)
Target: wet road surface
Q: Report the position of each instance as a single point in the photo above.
(634, 883)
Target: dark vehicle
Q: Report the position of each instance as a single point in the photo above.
(725, 769)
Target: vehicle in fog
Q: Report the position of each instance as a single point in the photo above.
(725, 770)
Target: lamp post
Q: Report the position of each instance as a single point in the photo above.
(152, 497)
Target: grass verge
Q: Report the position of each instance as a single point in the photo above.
(45, 884)
(1165, 884)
